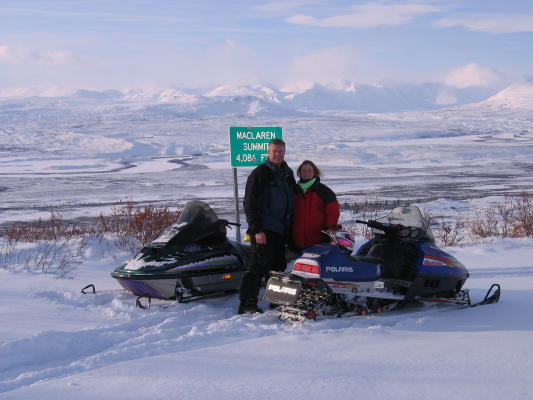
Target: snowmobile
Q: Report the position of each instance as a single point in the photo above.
(400, 265)
(191, 259)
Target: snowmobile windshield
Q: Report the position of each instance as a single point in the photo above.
(197, 220)
(198, 213)
(408, 216)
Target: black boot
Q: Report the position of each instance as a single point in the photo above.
(249, 308)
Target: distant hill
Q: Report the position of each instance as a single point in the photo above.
(516, 96)
(261, 100)
(377, 98)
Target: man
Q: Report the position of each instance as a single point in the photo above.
(268, 206)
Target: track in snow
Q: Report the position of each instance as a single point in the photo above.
(52, 355)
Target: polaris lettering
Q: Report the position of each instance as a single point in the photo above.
(339, 269)
(284, 289)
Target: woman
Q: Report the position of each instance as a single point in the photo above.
(315, 207)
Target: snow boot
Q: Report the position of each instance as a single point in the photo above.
(249, 308)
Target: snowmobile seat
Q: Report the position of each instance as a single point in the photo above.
(368, 259)
(374, 255)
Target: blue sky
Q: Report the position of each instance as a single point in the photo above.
(102, 44)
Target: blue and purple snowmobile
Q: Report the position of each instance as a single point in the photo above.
(400, 265)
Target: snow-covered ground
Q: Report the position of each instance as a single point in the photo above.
(83, 155)
(53, 149)
(56, 342)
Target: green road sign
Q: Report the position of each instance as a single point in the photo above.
(249, 145)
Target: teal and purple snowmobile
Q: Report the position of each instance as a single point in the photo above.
(400, 265)
(192, 258)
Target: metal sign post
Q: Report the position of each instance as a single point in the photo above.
(236, 205)
(248, 148)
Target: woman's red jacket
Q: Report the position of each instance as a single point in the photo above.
(314, 211)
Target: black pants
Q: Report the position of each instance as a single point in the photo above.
(266, 257)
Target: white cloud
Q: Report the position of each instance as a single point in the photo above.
(228, 46)
(297, 87)
(54, 91)
(370, 15)
(471, 75)
(279, 6)
(55, 57)
(444, 97)
(229, 62)
(303, 20)
(103, 16)
(20, 55)
(326, 66)
(492, 24)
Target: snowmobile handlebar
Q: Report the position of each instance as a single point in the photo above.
(399, 230)
(387, 228)
(226, 222)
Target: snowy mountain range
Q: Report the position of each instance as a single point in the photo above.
(255, 101)
(516, 96)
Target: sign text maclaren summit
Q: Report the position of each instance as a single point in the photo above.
(243, 135)
(249, 145)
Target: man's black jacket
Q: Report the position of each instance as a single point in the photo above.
(268, 198)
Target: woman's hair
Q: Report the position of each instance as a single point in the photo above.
(316, 170)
